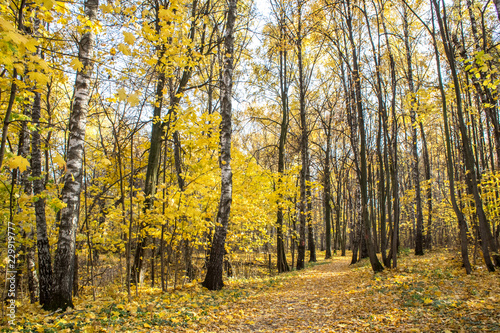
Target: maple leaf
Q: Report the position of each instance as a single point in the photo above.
(133, 99)
(106, 8)
(122, 94)
(76, 64)
(59, 161)
(48, 4)
(124, 49)
(18, 162)
(129, 38)
(40, 78)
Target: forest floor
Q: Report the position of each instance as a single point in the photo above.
(425, 294)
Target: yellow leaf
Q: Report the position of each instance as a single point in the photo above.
(124, 49)
(76, 64)
(133, 99)
(40, 78)
(59, 161)
(106, 162)
(87, 329)
(129, 38)
(31, 44)
(48, 4)
(112, 51)
(164, 14)
(106, 8)
(151, 61)
(122, 94)
(18, 162)
(427, 300)
(5, 25)
(147, 325)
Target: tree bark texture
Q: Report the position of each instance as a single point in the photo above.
(65, 253)
(327, 194)
(301, 253)
(42, 240)
(280, 245)
(419, 240)
(362, 167)
(213, 279)
(449, 164)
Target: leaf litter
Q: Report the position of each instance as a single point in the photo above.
(425, 294)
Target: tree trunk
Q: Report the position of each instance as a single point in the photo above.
(381, 195)
(393, 156)
(213, 279)
(42, 241)
(159, 128)
(33, 282)
(280, 246)
(65, 253)
(419, 240)
(355, 232)
(467, 153)
(303, 149)
(427, 168)
(151, 172)
(382, 119)
(311, 244)
(449, 161)
(362, 167)
(497, 6)
(28, 248)
(344, 229)
(8, 112)
(327, 193)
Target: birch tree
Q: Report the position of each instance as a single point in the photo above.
(65, 254)
(213, 279)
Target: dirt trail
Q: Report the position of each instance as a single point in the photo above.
(309, 302)
(425, 294)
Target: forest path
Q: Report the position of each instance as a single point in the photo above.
(318, 299)
(308, 302)
(428, 293)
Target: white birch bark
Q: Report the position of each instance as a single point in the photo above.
(64, 260)
(213, 279)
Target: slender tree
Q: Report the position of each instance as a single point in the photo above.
(213, 279)
(283, 77)
(419, 240)
(303, 211)
(462, 225)
(362, 168)
(64, 261)
(470, 177)
(327, 190)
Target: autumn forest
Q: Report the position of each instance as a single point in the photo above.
(172, 164)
